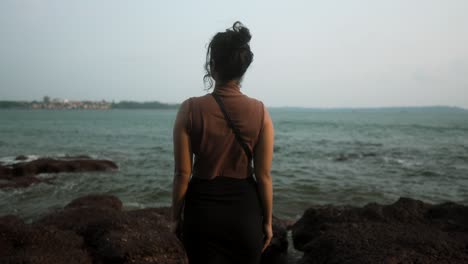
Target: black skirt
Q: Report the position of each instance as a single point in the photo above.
(223, 221)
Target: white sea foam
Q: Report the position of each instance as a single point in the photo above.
(134, 205)
(7, 160)
(12, 160)
(404, 162)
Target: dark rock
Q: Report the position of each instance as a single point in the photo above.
(11, 220)
(21, 157)
(94, 229)
(408, 231)
(115, 236)
(277, 251)
(450, 217)
(289, 223)
(141, 236)
(96, 200)
(23, 243)
(22, 182)
(49, 165)
(24, 174)
(5, 173)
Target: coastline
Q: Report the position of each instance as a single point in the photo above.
(65, 104)
(96, 228)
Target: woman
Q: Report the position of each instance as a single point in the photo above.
(226, 212)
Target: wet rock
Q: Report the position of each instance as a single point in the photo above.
(289, 223)
(277, 251)
(50, 165)
(5, 173)
(23, 174)
(21, 157)
(96, 200)
(408, 231)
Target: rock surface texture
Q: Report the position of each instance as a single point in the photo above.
(95, 229)
(92, 229)
(407, 231)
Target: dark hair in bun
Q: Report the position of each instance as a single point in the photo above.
(228, 55)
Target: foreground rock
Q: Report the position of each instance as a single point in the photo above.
(408, 231)
(23, 243)
(277, 251)
(92, 229)
(23, 174)
(95, 229)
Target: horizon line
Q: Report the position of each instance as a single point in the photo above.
(284, 106)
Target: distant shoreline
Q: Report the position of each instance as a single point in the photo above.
(104, 105)
(84, 105)
(391, 109)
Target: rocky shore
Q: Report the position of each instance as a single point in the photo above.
(91, 229)
(96, 229)
(407, 231)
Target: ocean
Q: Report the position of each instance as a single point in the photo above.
(320, 157)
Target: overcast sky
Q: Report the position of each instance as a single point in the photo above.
(307, 53)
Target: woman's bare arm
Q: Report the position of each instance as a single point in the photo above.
(262, 163)
(182, 161)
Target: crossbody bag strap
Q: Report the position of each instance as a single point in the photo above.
(236, 130)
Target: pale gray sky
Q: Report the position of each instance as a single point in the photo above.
(307, 53)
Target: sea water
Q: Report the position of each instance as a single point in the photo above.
(320, 157)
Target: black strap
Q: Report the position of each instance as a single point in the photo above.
(233, 127)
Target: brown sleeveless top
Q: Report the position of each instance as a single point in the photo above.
(216, 150)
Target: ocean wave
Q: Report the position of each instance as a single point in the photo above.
(9, 160)
(351, 156)
(134, 205)
(359, 143)
(425, 128)
(401, 161)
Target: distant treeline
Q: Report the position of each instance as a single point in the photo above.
(15, 104)
(119, 105)
(143, 105)
(159, 105)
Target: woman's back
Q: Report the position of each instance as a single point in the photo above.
(216, 150)
(226, 214)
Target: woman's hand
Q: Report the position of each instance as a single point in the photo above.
(176, 228)
(182, 166)
(173, 226)
(268, 232)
